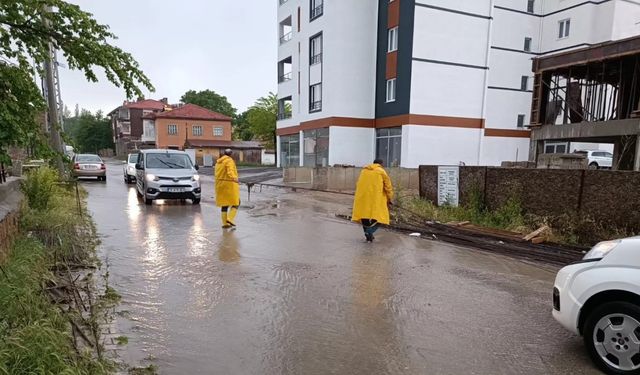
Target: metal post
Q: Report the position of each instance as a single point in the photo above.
(54, 124)
(636, 163)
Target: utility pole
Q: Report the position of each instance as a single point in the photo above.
(51, 69)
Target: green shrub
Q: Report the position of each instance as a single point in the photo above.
(39, 187)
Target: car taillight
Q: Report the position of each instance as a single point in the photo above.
(102, 166)
(76, 166)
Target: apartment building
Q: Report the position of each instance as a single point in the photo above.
(422, 81)
(127, 122)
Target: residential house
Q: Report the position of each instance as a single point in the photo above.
(127, 123)
(193, 127)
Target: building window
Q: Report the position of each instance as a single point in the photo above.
(218, 131)
(521, 121)
(556, 147)
(284, 108)
(290, 151)
(389, 146)
(283, 1)
(564, 27)
(315, 98)
(315, 49)
(527, 44)
(123, 113)
(196, 130)
(531, 4)
(392, 42)
(524, 83)
(316, 148)
(391, 90)
(316, 9)
(173, 129)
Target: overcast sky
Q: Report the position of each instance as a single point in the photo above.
(228, 46)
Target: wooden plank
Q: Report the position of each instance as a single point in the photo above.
(535, 233)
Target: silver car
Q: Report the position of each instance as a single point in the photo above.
(129, 168)
(89, 165)
(167, 174)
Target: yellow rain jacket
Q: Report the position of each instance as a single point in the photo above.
(373, 192)
(227, 187)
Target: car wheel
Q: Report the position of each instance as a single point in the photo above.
(612, 336)
(148, 201)
(195, 201)
(593, 165)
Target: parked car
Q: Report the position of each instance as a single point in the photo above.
(599, 298)
(167, 174)
(89, 165)
(129, 168)
(598, 159)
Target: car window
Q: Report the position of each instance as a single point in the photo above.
(88, 159)
(168, 161)
(133, 158)
(607, 154)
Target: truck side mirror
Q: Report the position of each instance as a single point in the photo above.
(139, 166)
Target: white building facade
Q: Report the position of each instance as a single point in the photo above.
(422, 81)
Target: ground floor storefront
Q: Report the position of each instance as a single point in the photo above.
(406, 146)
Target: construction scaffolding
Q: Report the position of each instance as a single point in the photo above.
(594, 93)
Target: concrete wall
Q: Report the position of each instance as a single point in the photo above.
(606, 196)
(345, 179)
(10, 198)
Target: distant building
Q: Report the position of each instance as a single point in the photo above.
(193, 127)
(423, 81)
(127, 124)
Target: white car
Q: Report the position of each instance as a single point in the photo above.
(598, 159)
(167, 174)
(599, 298)
(129, 168)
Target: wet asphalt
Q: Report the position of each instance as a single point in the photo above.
(295, 290)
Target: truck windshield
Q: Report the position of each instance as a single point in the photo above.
(168, 161)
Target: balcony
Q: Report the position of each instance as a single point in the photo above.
(315, 59)
(284, 108)
(315, 106)
(285, 77)
(285, 70)
(286, 30)
(282, 2)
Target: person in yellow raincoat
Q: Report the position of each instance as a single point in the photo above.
(227, 189)
(374, 193)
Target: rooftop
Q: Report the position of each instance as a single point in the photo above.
(190, 112)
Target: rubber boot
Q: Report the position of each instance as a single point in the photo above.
(225, 222)
(231, 219)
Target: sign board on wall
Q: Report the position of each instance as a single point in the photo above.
(448, 186)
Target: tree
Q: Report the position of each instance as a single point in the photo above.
(241, 130)
(89, 132)
(262, 117)
(209, 100)
(26, 29)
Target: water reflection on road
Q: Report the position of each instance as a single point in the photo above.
(296, 291)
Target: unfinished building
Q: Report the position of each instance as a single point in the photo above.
(589, 95)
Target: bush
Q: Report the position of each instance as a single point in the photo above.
(39, 187)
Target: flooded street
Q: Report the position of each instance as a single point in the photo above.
(296, 291)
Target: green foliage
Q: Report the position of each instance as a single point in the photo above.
(20, 104)
(122, 340)
(26, 28)
(209, 100)
(90, 133)
(39, 187)
(262, 117)
(241, 130)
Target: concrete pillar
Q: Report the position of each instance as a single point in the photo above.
(636, 159)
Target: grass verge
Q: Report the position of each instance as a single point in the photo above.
(35, 328)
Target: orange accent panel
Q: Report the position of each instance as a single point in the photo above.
(299, 17)
(392, 65)
(326, 122)
(393, 18)
(429, 120)
(512, 133)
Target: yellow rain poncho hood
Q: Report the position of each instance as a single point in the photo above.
(227, 187)
(373, 193)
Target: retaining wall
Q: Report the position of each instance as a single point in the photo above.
(608, 196)
(345, 178)
(10, 200)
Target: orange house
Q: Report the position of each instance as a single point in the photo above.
(177, 128)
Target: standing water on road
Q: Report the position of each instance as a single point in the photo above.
(296, 291)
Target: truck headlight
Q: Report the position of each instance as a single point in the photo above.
(195, 177)
(151, 177)
(601, 250)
